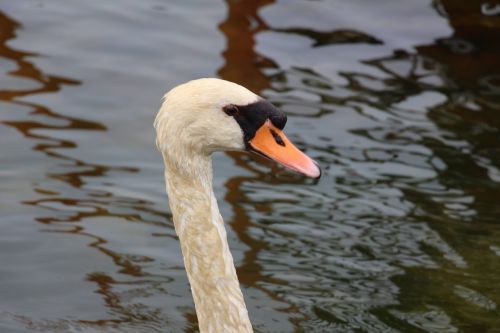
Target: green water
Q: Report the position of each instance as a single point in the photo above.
(399, 101)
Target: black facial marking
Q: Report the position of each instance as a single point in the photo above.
(252, 116)
(277, 138)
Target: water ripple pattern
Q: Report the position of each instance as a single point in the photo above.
(398, 102)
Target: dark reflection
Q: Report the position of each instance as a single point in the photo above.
(422, 196)
(432, 143)
(325, 38)
(71, 212)
(469, 65)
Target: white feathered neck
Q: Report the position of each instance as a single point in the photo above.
(190, 126)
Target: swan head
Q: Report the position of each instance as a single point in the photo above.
(207, 115)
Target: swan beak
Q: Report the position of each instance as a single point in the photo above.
(272, 143)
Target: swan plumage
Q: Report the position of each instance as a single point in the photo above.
(196, 119)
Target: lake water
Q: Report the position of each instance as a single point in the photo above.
(399, 101)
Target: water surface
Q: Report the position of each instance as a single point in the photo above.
(398, 101)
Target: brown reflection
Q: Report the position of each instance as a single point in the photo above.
(242, 64)
(245, 66)
(94, 203)
(471, 54)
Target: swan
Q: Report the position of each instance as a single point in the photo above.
(196, 119)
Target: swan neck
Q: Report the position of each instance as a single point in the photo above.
(218, 299)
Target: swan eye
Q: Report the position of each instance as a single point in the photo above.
(231, 110)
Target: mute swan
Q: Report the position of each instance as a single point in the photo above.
(196, 119)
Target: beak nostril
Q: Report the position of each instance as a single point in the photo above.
(277, 138)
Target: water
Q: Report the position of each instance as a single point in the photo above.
(398, 101)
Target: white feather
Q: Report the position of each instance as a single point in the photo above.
(190, 125)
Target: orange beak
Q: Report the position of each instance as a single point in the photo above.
(272, 143)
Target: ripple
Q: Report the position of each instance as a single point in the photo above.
(399, 235)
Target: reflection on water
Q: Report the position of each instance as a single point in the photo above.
(400, 235)
(135, 281)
